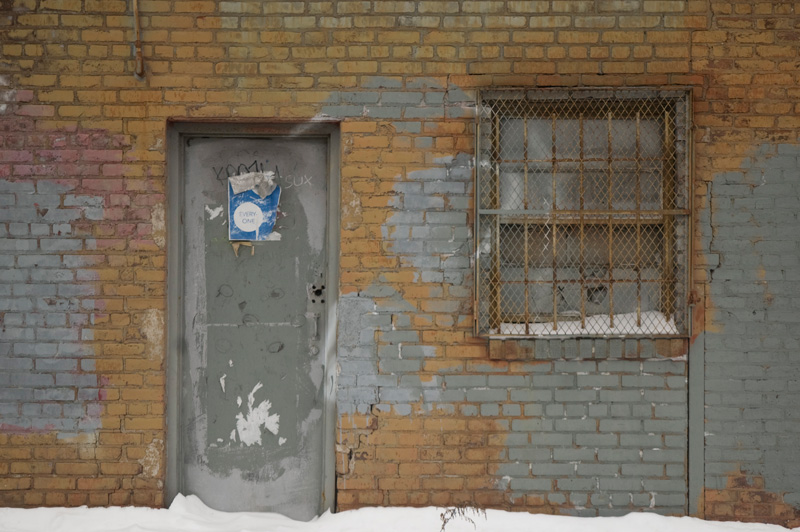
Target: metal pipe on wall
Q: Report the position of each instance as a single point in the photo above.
(138, 70)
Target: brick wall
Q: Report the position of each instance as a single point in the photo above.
(425, 415)
(746, 158)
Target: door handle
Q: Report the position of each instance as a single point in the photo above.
(315, 326)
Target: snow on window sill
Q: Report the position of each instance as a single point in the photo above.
(653, 323)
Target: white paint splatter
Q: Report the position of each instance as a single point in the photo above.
(230, 363)
(249, 426)
(233, 435)
(151, 461)
(313, 202)
(214, 213)
(222, 382)
(152, 327)
(274, 236)
(239, 401)
(281, 441)
(158, 219)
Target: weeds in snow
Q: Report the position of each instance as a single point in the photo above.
(462, 511)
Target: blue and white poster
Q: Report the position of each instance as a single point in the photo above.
(253, 206)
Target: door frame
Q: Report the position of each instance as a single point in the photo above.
(178, 131)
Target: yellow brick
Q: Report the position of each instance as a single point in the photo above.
(281, 37)
(40, 80)
(354, 36)
(776, 51)
(710, 37)
(297, 23)
(115, 6)
(639, 22)
(462, 22)
(591, 22)
(56, 96)
(578, 52)
(622, 37)
(98, 96)
(444, 68)
(672, 51)
(669, 37)
(237, 69)
(358, 52)
(626, 67)
(46, 483)
(124, 111)
(444, 37)
(619, 52)
(357, 67)
(374, 22)
(171, 21)
(81, 21)
(664, 6)
(278, 68)
(550, 22)
(399, 37)
(337, 82)
(195, 7)
(168, 81)
(691, 22)
(12, 49)
(309, 52)
(577, 37)
(79, 111)
(667, 66)
(192, 36)
(34, 50)
(578, 67)
(102, 35)
(61, 5)
(37, 20)
(489, 37)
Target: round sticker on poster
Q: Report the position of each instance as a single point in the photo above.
(248, 217)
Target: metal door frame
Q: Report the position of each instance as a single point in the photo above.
(177, 133)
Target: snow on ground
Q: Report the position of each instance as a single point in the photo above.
(189, 514)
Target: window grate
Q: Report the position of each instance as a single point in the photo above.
(583, 213)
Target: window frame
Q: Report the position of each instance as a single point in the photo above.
(532, 104)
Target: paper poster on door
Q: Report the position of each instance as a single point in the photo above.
(253, 206)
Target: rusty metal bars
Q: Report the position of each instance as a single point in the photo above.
(602, 236)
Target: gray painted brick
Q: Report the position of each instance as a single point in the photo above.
(55, 394)
(486, 395)
(531, 484)
(618, 455)
(400, 366)
(596, 440)
(531, 425)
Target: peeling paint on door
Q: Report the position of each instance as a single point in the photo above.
(248, 426)
(254, 332)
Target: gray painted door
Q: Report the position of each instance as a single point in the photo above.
(251, 383)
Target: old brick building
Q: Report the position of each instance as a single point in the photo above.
(413, 380)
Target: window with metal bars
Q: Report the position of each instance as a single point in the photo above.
(583, 215)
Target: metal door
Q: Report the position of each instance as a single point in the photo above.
(251, 331)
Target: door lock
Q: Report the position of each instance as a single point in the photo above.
(316, 293)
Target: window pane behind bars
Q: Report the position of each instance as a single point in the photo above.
(582, 217)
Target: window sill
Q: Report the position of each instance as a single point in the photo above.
(583, 348)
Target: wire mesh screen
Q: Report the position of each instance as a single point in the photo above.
(583, 213)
